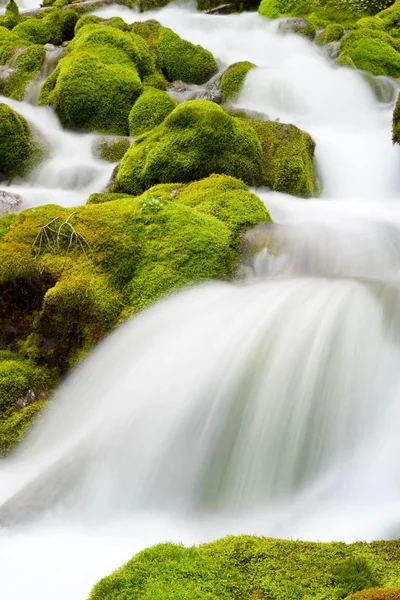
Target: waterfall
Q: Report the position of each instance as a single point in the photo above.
(265, 406)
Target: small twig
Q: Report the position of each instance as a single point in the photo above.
(50, 235)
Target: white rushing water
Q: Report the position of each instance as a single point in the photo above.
(269, 406)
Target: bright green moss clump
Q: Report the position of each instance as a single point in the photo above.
(23, 388)
(11, 17)
(198, 138)
(58, 304)
(377, 594)
(333, 33)
(18, 151)
(396, 123)
(249, 567)
(182, 60)
(95, 86)
(51, 27)
(149, 110)
(287, 158)
(111, 148)
(372, 50)
(26, 66)
(233, 78)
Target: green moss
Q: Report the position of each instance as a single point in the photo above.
(332, 33)
(96, 84)
(376, 594)
(233, 78)
(137, 250)
(287, 158)
(51, 27)
(11, 17)
(26, 66)
(18, 151)
(372, 50)
(149, 110)
(112, 148)
(182, 60)
(14, 427)
(396, 123)
(225, 198)
(345, 61)
(198, 138)
(244, 566)
(99, 198)
(370, 23)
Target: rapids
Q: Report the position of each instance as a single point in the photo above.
(268, 406)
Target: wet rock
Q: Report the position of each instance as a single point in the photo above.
(297, 25)
(9, 203)
(211, 92)
(331, 50)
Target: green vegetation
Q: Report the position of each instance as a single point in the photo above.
(11, 17)
(287, 158)
(96, 84)
(197, 139)
(396, 123)
(377, 594)
(23, 388)
(26, 65)
(111, 148)
(332, 33)
(182, 60)
(372, 50)
(112, 259)
(149, 110)
(19, 152)
(49, 27)
(246, 566)
(233, 78)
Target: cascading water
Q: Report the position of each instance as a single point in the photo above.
(269, 406)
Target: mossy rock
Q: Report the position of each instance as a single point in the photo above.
(297, 25)
(132, 251)
(332, 33)
(182, 60)
(95, 86)
(370, 23)
(287, 158)
(233, 78)
(372, 50)
(19, 152)
(50, 27)
(377, 594)
(24, 387)
(150, 110)
(11, 17)
(396, 123)
(197, 139)
(26, 65)
(111, 148)
(253, 567)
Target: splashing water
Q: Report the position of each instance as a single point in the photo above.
(269, 406)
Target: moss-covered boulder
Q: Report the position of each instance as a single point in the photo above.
(111, 148)
(254, 567)
(114, 256)
(198, 138)
(376, 594)
(287, 158)
(233, 78)
(149, 110)
(50, 27)
(297, 25)
(11, 17)
(26, 64)
(332, 33)
(396, 123)
(182, 60)
(179, 59)
(19, 152)
(24, 388)
(372, 50)
(96, 84)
